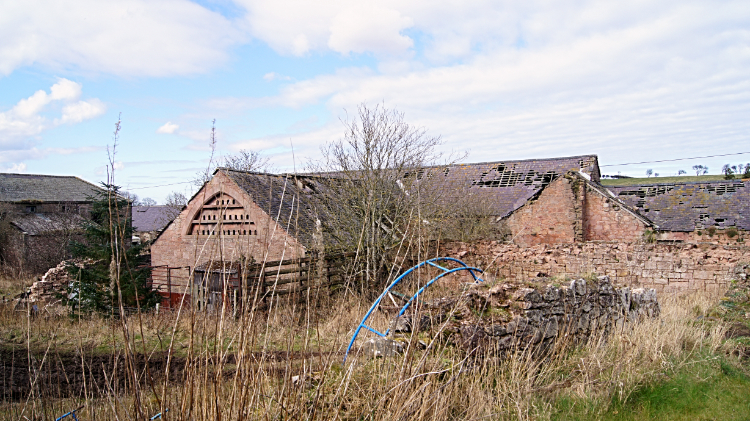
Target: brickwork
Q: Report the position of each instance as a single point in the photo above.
(548, 219)
(664, 267)
(237, 228)
(607, 220)
(572, 209)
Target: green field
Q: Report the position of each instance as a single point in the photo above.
(658, 180)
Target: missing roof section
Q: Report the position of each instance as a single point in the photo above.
(502, 175)
(691, 206)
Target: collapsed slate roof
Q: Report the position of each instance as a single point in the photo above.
(690, 206)
(504, 186)
(45, 188)
(153, 218)
(47, 223)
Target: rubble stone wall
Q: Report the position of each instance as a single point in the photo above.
(664, 267)
(542, 315)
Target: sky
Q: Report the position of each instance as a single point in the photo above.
(629, 81)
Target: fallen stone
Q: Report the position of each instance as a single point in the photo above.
(381, 347)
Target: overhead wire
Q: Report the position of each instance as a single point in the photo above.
(606, 165)
(672, 160)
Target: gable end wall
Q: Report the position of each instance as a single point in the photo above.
(176, 248)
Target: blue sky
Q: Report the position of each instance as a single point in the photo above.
(631, 82)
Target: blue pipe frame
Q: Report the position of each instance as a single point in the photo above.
(430, 262)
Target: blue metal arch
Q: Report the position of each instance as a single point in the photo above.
(413, 298)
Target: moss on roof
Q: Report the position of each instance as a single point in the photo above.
(660, 180)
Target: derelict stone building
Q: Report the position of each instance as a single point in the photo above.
(39, 216)
(542, 201)
(241, 216)
(691, 211)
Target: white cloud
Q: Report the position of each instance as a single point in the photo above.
(168, 128)
(298, 26)
(81, 110)
(29, 117)
(526, 79)
(16, 168)
(379, 32)
(128, 37)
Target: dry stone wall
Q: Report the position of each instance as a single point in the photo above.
(516, 316)
(576, 311)
(664, 267)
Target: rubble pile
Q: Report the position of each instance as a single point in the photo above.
(53, 283)
(511, 316)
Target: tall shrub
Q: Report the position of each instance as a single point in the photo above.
(116, 273)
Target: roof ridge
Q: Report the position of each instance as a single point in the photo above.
(41, 175)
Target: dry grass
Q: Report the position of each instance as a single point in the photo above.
(226, 368)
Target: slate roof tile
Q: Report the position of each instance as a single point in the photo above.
(43, 223)
(689, 206)
(153, 218)
(45, 188)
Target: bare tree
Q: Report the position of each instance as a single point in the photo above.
(649, 172)
(147, 201)
(729, 171)
(133, 198)
(700, 169)
(243, 160)
(372, 190)
(175, 202)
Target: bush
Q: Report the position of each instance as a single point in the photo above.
(119, 273)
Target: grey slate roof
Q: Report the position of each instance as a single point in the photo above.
(282, 197)
(42, 223)
(505, 186)
(153, 218)
(690, 206)
(45, 188)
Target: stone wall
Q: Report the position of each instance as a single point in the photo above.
(548, 219)
(542, 315)
(572, 209)
(665, 267)
(513, 315)
(606, 220)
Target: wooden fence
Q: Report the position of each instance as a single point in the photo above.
(207, 287)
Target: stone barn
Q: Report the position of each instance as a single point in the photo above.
(39, 216)
(542, 201)
(149, 221)
(240, 216)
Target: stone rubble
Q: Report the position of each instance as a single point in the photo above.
(513, 315)
(53, 283)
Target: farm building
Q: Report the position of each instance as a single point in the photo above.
(39, 216)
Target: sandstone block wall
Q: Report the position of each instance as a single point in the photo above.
(183, 244)
(570, 209)
(606, 220)
(549, 219)
(664, 267)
